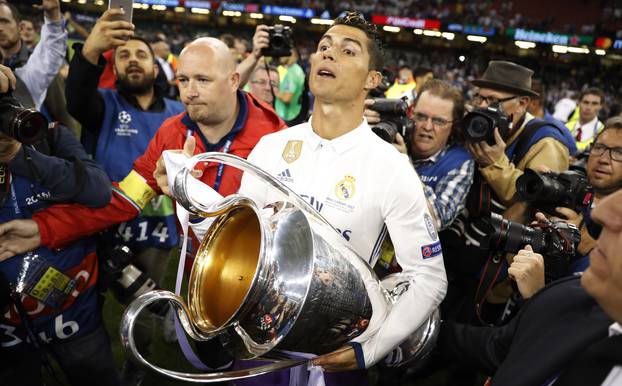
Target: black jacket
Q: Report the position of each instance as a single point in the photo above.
(553, 328)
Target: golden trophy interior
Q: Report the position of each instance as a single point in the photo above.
(224, 268)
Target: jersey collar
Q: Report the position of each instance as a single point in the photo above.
(340, 144)
(240, 121)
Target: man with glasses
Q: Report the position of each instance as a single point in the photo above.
(443, 165)
(264, 84)
(505, 87)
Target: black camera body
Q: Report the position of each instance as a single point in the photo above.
(556, 241)
(280, 41)
(126, 281)
(479, 125)
(393, 119)
(569, 189)
(27, 126)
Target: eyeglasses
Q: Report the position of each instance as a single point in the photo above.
(478, 99)
(436, 121)
(263, 82)
(614, 152)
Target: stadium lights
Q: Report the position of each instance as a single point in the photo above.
(255, 15)
(574, 50)
(66, 1)
(158, 7)
(578, 50)
(81, 1)
(448, 35)
(461, 58)
(600, 52)
(99, 2)
(144, 6)
(137, 5)
(290, 19)
(525, 45)
(477, 38)
(390, 28)
(431, 33)
(180, 9)
(322, 21)
(418, 31)
(232, 13)
(201, 11)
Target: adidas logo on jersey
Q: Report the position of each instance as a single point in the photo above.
(285, 176)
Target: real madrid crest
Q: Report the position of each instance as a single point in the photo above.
(345, 188)
(292, 151)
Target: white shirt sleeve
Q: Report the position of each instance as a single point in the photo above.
(45, 61)
(406, 214)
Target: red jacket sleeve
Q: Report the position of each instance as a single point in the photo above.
(59, 225)
(62, 224)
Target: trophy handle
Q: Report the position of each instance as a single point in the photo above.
(181, 194)
(128, 321)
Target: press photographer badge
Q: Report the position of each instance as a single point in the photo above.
(44, 282)
(292, 151)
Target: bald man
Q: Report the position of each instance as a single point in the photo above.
(218, 117)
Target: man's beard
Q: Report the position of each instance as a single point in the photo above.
(6, 43)
(137, 87)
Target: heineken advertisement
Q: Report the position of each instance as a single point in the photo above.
(548, 37)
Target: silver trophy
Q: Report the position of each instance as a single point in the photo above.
(272, 281)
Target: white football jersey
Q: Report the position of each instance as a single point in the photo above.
(364, 187)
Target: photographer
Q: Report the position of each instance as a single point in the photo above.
(34, 70)
(50, 303)
(444, 166)
(604, 172)
(504, 140)
(567, 334)
(288, 103)
(264, 84)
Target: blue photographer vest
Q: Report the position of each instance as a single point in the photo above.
(77, 312)
(551, 129)
(124, 136)
(453, 158)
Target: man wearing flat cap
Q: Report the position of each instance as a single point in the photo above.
(529, 142)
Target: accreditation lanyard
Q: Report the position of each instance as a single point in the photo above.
(221, 167)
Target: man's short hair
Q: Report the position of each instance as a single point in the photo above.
(593, 91)
(421, 71)
(441, 89)
(614, 123)
(228, 39)
(17, 16)
(141, 39)
(374, 42)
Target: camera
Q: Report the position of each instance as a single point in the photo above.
(393, 119)
(547, 191)
(479, 124)
(556, 241)
(280, 41)
(125, 279)
(27, 126)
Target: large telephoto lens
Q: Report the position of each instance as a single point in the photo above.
(535, 187)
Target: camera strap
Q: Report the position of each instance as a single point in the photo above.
(32, 337)
(5, 183)
(491, 272)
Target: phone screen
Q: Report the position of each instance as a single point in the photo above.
(126, 5)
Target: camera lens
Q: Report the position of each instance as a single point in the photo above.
(478, 128)
(278, 41)
(29, 126)
(540, 188)
(386, 131)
